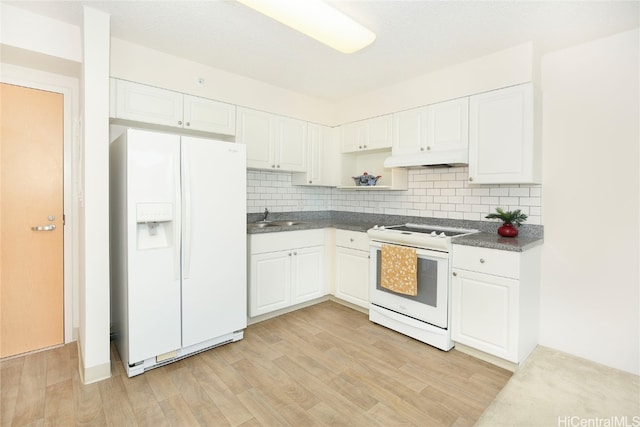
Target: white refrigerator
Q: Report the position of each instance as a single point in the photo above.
(178, 246)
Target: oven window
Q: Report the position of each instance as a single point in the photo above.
(427, 281)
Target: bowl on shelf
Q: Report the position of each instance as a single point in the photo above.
(365, 180)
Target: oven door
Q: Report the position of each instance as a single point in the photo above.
(431, 303)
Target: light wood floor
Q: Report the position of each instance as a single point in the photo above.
(322, 365)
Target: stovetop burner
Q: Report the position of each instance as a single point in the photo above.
(439, 231)
(418, 235)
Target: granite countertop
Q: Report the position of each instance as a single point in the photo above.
(496, 241)
(530, 235)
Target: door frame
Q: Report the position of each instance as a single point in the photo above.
(72, 154)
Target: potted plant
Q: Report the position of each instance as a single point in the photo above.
(509, 218)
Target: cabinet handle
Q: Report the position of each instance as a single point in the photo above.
(289, 253)
(428, 148)
(421, 148)
(180, 122)
(295, 253)
(188, 123)
(364, 146)
(278, 167)
(310, 182)
(454, 274)
(351, 239)
(470, 178)
(359, 147)
(273, 166)
(481, 260)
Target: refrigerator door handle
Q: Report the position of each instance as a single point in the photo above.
(186, 212)
(177, 222)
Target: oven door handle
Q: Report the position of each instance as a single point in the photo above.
(421, 253)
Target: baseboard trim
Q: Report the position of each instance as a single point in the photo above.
(505, 364)
(92, 374)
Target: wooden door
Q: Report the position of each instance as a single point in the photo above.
(31, 261)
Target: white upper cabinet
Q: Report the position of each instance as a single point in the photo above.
(502, 147)
(291, 144)
(370, 134)
(322, 158)
(256, 129)
(409, 131)
(379, 133)
(448, 126)
(431, 135)
(148, 104)
(209, 116)
(273, 142)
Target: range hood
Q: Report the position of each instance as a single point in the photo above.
(429, 158)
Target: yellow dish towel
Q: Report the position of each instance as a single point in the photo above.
(399, 269)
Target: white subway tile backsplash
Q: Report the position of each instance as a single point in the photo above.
(498, 191)
(490, 200)
(433, 192)
(480, 191)
(520, 192)
(509, 200)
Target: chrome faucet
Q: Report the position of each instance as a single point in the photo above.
(266, 214)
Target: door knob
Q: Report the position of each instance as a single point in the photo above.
(50, 227)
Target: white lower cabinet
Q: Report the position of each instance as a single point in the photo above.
(352, 267)
(495, 301)
(286, 269)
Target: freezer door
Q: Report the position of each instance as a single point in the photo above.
(153, 228)
(214, 289)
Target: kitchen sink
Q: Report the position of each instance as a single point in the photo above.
(264, 224)
(286, 223)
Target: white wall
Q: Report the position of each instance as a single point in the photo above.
(94, 285)
(590, 296)
(140, 64)
(501, 69)
(35, 33)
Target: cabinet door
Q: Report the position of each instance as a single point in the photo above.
(269, 282)
(352, 137)
(379, 133)
(209, 116)
(307, 277)
(448, 125)
(409, 135)
(501, 136)
(256, 130)
(291, 144)
(148, 104)
(352, 276)
(315, 150)
(315, 161)
(485, 313)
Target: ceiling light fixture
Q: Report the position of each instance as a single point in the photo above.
(317, 20)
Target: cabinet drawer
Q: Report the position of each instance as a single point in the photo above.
(488, 261)
(281, 241)
(352, 239)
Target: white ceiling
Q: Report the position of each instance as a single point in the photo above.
(413, 37)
